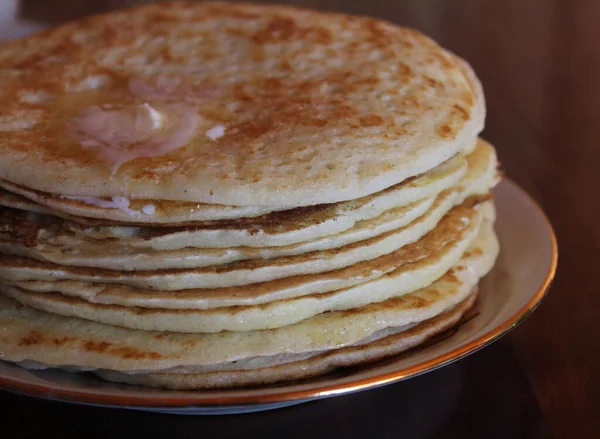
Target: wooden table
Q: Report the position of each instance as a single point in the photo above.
(539, 61)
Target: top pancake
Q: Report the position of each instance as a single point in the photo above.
(315, 107)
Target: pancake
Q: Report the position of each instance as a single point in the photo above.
(44, 239)
(83, 210)
(236, 105)
(282, 359)
(242, 272)
(418, 266)
(326, 219)
(55, 341)
(117, 255)
(235, 376)
(369, 240)
(448, 230)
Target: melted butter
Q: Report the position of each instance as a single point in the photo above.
(141, 117)
(149, 117)
(216, 132)
(121, 133)
(149, 209)
(121, 203)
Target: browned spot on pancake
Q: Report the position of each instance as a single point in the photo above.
(405, 69)
(478, 251)
(37, 338)
(280, 29)
(348, 312)
(33, 338)
(96, 346)
(371, 120)
(445, 131)
(258, 54)
(188, 343)
(433, 83)
(462, 111)
(443, 60)
(147, 175)
(136, 354)
(419, 302)
(451, 275)
(285, 65)
(61, 341)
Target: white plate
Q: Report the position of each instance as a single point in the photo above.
(513, 289)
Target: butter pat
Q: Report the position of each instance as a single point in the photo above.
(149, 209)
(148, 117)
(119, 135)
(216, 132)
(120, 203)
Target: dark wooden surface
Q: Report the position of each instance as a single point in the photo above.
(539, 61)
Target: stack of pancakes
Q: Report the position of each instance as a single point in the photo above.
(212, 195)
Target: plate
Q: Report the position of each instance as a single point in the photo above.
(508, 294)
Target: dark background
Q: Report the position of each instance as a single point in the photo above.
(539, 61)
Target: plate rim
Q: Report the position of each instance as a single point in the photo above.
(190, 401)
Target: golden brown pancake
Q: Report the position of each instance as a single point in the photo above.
(418, 266)
(389, 345)
(241, 105)
(56, 341)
